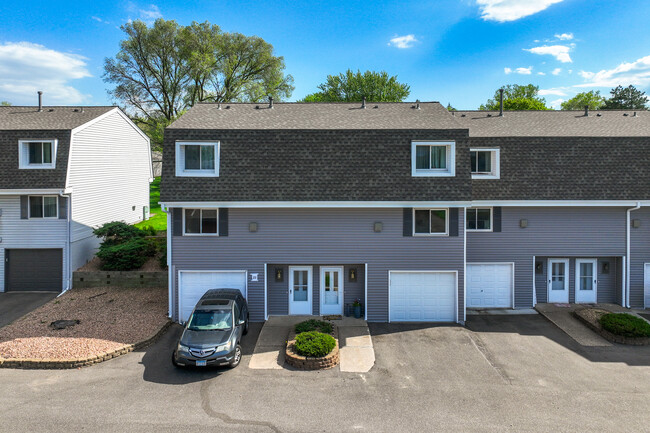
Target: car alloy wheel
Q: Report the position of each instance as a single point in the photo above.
(237, 358)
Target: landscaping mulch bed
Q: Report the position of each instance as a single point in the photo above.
(110, 319)
(591, 318)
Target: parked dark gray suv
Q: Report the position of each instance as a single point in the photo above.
(213, 333)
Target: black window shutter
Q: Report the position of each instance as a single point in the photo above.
(177, 222)
(63, 208)
(223, 221)
(496, 219)
(453, 221)
(24, 204)
(408, 222)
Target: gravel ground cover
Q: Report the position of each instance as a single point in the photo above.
(151, 265)
(110, 318)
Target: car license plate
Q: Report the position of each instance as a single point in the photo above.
(201, 363)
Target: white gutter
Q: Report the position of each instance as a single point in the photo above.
(169, 259)
(626, 294)
(67, 193)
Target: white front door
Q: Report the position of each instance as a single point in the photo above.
(300, 289)
(558, 281)
(586, 281)
(331, 291)
(646, 284)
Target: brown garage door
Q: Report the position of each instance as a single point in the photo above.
(30, 270)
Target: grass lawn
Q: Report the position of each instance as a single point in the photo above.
(158, 218)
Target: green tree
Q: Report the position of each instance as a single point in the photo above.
(592, 98)
(353, 87)
(5, 103)
(162, 70)
(517, 97)
(450, 108)
(626, 98)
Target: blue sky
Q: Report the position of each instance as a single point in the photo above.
(456, 51)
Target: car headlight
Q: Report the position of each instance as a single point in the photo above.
(182, 348)
(224, 347)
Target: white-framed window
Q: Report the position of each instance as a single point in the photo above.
(478, 219)
(37, 154)
(485, 163)
(197, 158)
(200, 222)
(43, 206)
(430, 221)
(433, 158)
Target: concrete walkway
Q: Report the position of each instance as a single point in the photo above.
(14, 305)
(355, 344)
(561, 315)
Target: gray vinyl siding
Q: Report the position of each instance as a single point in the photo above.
(319, 236)
(278, 292)
(639, 255)
(82, 251)
(559, 232)
(609, 285)
(109, 174)
(29, 233)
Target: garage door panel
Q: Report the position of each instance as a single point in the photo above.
(193, 285)
(489, 285)
(422, 296)
(34, 269)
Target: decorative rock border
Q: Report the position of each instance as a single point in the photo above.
(80, 362)
(597, 328)
(309, 362)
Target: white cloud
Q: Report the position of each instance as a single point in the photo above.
(557, 91)
(521, 71)
(26, 68)
(403, 42)
(511, 10)
(151, 13)
(556, 71)
(560, 52)
(556, 104)
(564, 36)
(541, 73)
(636, 73)
(148, 14)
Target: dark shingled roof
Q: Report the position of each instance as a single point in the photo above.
(51, 118)
(555, 123)
(303, 116)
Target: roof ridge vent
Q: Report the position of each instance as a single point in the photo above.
(625, 114)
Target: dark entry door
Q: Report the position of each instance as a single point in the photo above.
(34, 270)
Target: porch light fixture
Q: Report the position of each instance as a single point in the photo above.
(279, 275)
(605, 268)
(352, 275)
(252, 227)
(636, 224)
(539, 267)
(378, 227)
(523, 223)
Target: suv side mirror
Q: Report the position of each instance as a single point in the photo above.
(241, 322)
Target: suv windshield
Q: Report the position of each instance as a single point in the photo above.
(209, 320)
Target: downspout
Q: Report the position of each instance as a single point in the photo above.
(169, 260)
(626, 294)
(67, 193)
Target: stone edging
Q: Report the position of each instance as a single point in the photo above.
(80, 362)
(308, 362)
(597, 328)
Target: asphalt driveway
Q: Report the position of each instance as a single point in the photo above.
(14, 305)
(502, 373)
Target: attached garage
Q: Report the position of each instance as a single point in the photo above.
(34, 270)
(490, 285)
(422, 296)
(193, 284)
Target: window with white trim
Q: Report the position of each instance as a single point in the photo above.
(484, 163)
(197, 159)
(430, 222)
(37, 154)
(200, 222)
(478, 219)
(43, 206)
(433, 158)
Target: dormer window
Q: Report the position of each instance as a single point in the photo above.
(37, 154)
(484, 163)
(197, 159)
(433, 158)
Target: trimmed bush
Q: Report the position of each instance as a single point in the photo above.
(314, 325)
(314, 344)
(117, 232)
(625, 325)
(126, 256)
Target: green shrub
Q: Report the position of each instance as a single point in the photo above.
(625, 324)
(162, 259)
(148, 231)
(125, 256)
(117, 232)
(314, 325)
(314, 344)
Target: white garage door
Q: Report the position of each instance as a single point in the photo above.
(489, 285)
(192, 285)
(423, 296)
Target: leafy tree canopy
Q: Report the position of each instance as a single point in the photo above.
(5, 103)
(354, 86)
(592, 98)
(626, 98)
(517, 97)
(162, 70)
